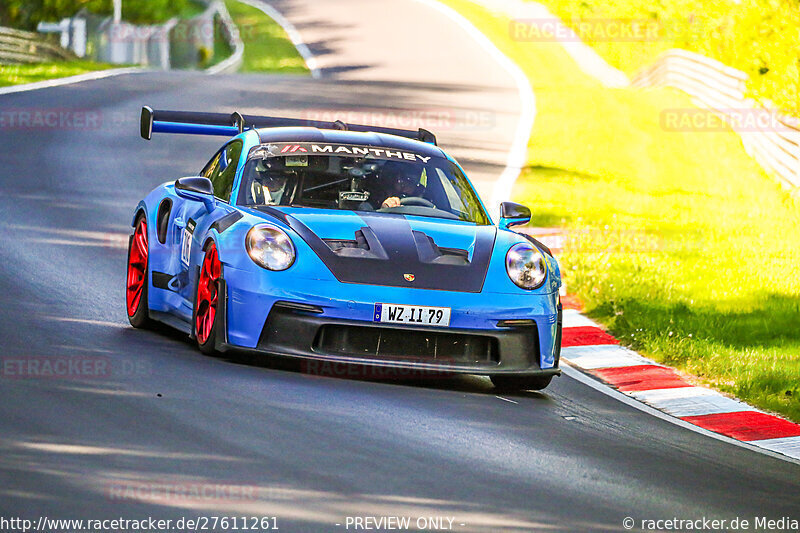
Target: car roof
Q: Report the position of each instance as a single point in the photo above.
(305, 134)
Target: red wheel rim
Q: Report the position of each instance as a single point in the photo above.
(137, 268)
(207, 295)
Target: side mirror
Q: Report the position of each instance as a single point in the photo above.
(196, 188)
(512, 214)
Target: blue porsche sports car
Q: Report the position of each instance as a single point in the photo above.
(342, 243)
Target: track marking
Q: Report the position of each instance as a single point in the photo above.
(662, 395)
(573, 319)
(747, 425)
(57, 82)
(788, 445)
(603, 356)
(506, 400)
(586, 336)
(518, 153)
(601, 387)
(641, 377)
(696, 401)
(89, 321)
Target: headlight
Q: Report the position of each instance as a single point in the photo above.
(270, 247)
(526, 266)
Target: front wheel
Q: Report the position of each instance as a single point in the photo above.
(136, 286)
(519, 383)
(206, 302)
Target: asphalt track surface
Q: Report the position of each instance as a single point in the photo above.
(309, 450)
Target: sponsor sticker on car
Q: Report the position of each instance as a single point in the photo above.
(186, 241)
(412, 314)
(293, 150)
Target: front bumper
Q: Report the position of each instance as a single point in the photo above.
(334, 322)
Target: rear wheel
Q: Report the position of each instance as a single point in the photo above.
(136, 286)
(207, 300)
(518, 383)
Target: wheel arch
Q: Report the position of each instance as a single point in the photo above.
(209, 240)
(223, 244)
(141, 209)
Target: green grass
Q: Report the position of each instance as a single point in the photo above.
(267, 48)
(759, 37)
(689, 252)
(16, 74)
(222, 50)
(159, 11)
(25, 14)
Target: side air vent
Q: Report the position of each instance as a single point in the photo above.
(162, 219)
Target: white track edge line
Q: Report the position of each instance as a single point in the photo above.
(786, 445)
(68, 80)
(518, 153)
(291, 31)
(576, 374)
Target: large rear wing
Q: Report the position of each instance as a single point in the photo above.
(200, 123)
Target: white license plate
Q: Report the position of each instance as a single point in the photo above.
(412, 314)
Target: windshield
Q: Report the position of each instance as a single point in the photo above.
(312, 175)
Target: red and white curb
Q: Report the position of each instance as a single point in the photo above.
(587, 346)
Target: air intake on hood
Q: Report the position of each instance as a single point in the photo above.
(364, 245)
(429, 252)
(386, 250)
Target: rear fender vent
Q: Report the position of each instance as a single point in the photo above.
(162, 219)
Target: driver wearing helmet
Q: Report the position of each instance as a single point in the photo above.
(268, 186)
(403, 180)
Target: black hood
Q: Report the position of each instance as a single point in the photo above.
(395, 251)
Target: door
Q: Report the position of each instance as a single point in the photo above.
(194, 222)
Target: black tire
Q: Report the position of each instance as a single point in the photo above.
(141, 317)
(520, 383)
(209, 347)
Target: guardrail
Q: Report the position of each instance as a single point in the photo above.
(177, 43)
(18, 46)
(771, 138)
(125, 43)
